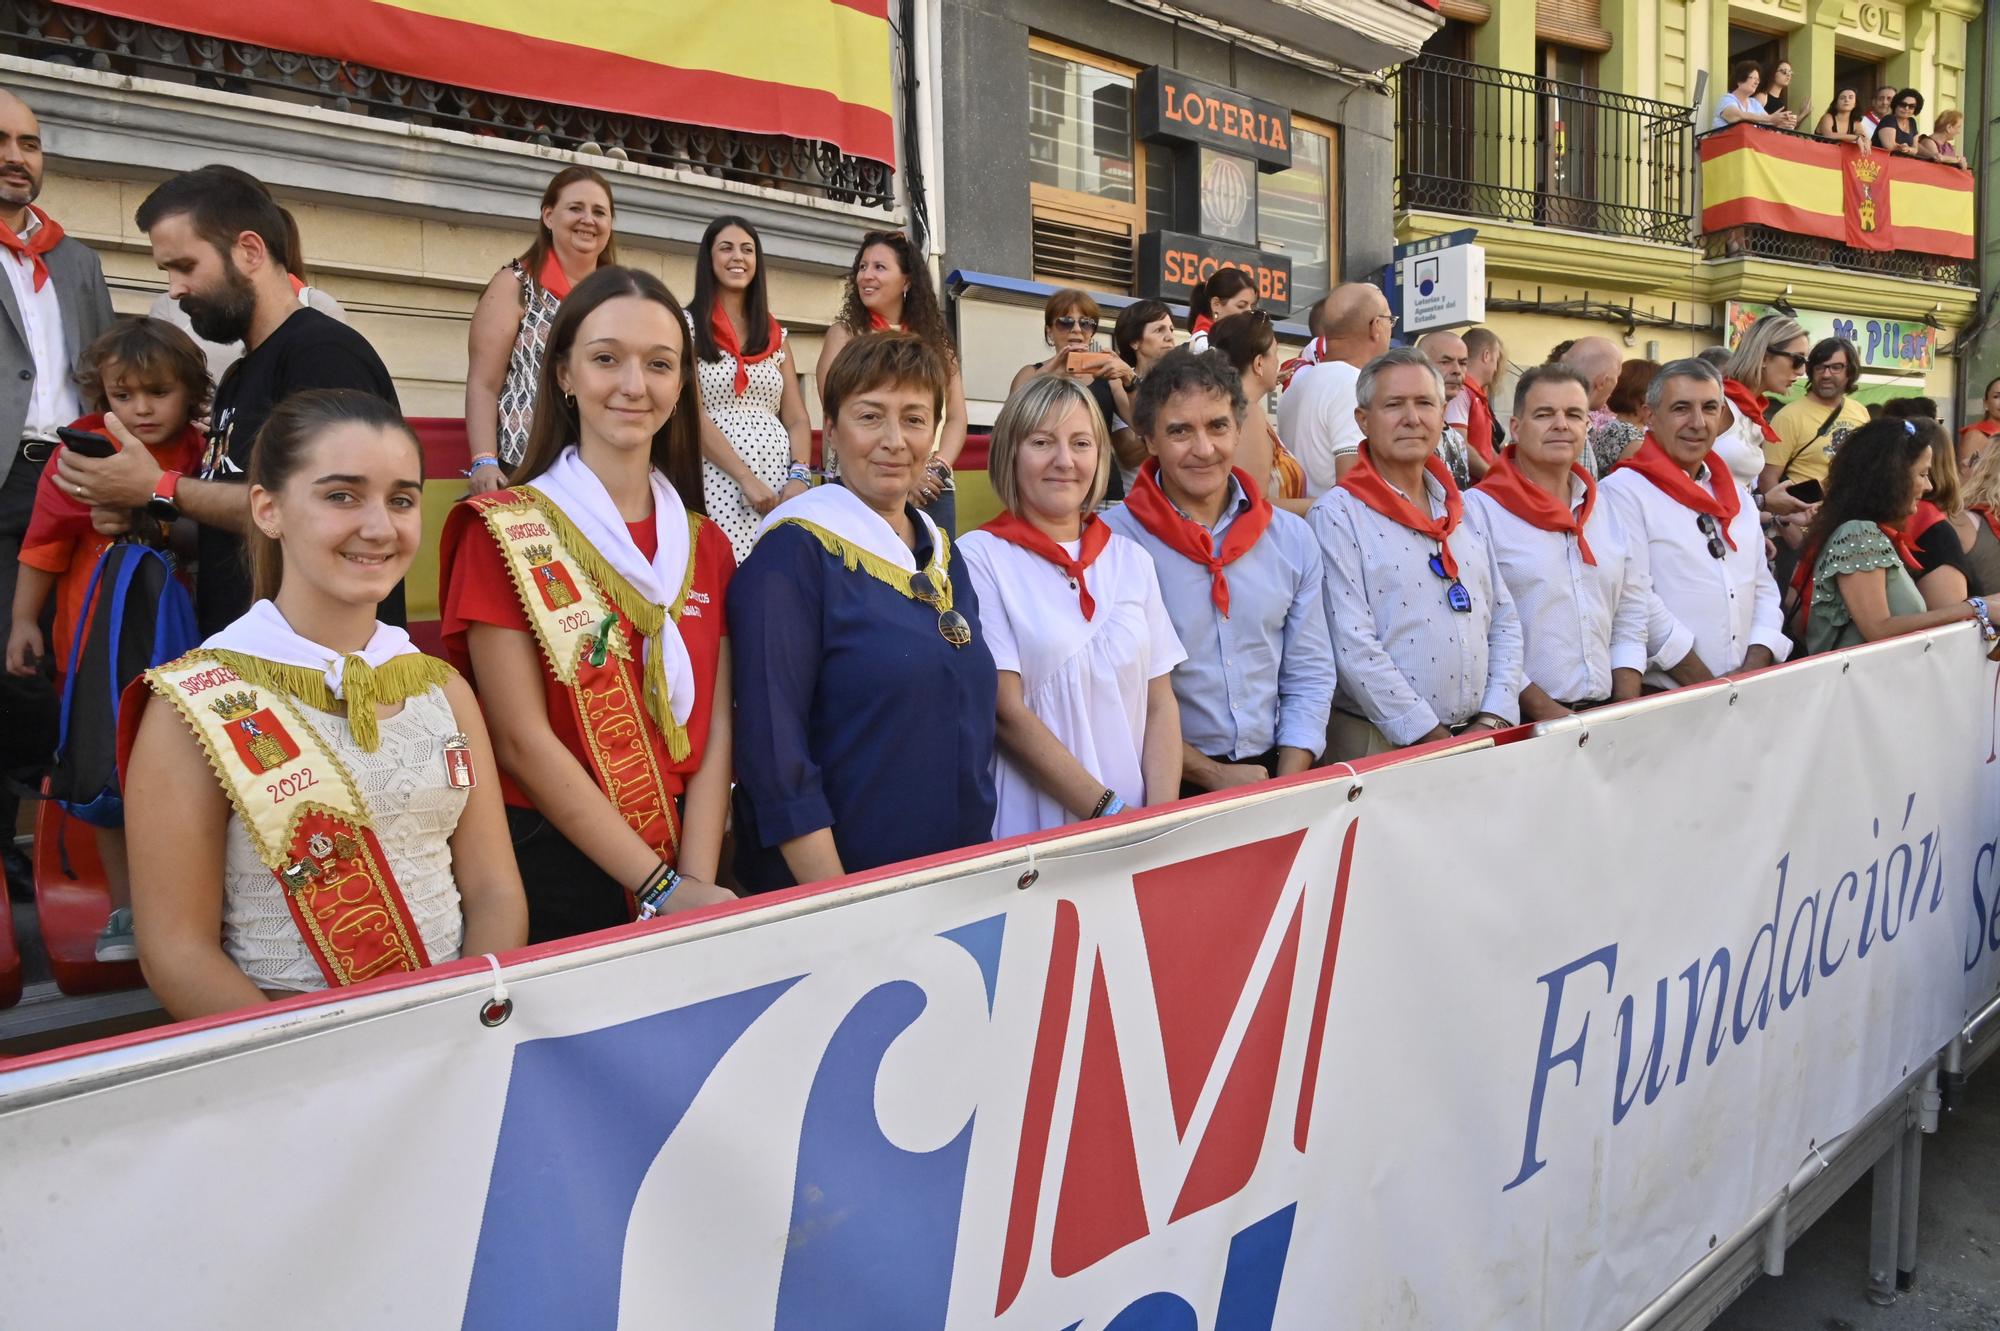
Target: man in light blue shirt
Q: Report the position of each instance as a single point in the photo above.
(1241, 581)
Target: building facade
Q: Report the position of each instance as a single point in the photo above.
(1125, 148)
(1567, 133)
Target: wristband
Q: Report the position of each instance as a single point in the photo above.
(1104, 803)
(1979, 612)
(652, 897)
(483, 460)
(1117, 806)
(801, 473)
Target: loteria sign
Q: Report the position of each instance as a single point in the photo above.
(1175, 108)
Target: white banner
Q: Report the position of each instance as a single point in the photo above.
(1598, 995)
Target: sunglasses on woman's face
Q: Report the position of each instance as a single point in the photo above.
(1906, 106)
(1071, 323)
(1797, 358)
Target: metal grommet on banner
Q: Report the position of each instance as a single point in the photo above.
(1732, 699)
(1583, 738)
(1030, 875)
(1353, 790)
(1846, 666)
(498, 1006)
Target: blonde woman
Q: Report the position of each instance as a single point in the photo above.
(1087, 722)
(1769, 358)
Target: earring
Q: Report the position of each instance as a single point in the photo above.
(569, 400)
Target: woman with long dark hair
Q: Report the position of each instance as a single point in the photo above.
(1222, 293)
(510, 325)
(756, 439)
(889, 287)
(586, 605)
(1858, 579)
(323, 821)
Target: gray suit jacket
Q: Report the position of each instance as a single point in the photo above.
(86, 314)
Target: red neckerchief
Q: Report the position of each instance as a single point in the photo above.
(1202, 323)
(877, 324)
(1721, 500)
(1986, 511)
(1802, 579)
(44, 238)
(1016, 530)
(1366, 484)
(725, 338)
(1987, 428)
(1184, 536)
(1927, 516)
(1751, 405)
(552, 277)
(298, 287)
(1903, 547)
(1508, 485)
(1478, 421)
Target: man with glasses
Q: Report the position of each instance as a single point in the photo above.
(1425, 638)
(1316, 414)
(1811, 430)
(1704, 547)
(1240, 580)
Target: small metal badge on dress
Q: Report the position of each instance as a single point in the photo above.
(458, 763)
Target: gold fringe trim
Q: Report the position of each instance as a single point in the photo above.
(636, 610)
(858, 559)
(363, 686)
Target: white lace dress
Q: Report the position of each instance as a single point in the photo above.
(414, 812)
(1085, 679)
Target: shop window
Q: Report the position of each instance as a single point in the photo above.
(1295, 211)
(1083, 168)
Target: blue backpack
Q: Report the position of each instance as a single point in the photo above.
(135, 615)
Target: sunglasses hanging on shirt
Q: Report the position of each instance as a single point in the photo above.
(1713, 531)
(1455, 595)
(953, 627)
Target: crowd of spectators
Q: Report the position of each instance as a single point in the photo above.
(686, 662)
(1761, 95)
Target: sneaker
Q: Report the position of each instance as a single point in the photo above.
(118, 942)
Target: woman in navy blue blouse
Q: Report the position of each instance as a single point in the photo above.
(865, 690)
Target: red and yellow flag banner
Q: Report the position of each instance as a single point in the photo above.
(1810, 187)
(810, 69)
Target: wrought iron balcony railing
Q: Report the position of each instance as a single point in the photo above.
(66, 35)
(1770, 243)
(1520, 148)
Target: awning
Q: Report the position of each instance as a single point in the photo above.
(1362, 35)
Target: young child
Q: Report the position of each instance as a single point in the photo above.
(154, 379)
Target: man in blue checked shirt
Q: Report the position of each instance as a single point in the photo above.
(1241, 581)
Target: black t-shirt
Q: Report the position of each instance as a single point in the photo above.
(308, 350)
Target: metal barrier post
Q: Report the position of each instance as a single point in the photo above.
(1886, 1211)
(1906, 1219)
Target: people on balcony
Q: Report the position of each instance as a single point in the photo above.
(1941, 144)
(1775, 86)
(889, 286)
(1766, 363)
(1316, 414)
(1880, 108)
(1858, 581)
(510, 325)
(1250, 344)
(1899, 133)
(1845, 120)
(1087, 722)
(1225, 292)
(756, 439)
(1740, 105)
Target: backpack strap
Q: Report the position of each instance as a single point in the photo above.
(85, 614)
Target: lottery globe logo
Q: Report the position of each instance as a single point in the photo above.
(1225, 192)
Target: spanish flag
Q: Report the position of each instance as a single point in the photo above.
(809, 69)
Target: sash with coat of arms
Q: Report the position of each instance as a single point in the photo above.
(303, 815)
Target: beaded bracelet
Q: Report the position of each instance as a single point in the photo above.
(1979, 612)
(799, 472)
(1104, 803)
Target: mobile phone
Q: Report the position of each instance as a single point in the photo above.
(1807, 492)
(86, 442)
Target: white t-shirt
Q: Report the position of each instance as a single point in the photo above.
(1730, 99)
(1085, 679)
(1741, 448)
(1316, 420)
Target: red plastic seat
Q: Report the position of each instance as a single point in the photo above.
(10, 956)
(73, 908)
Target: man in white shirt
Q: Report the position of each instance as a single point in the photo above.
(1425, 639)
(53, 304)
(1704, 544)
(1581, 590)
(1316, 414)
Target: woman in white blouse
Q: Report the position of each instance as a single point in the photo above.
(1088, 725)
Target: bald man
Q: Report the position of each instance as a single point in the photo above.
(56, 305)
(1598, 360)
(1473, 411)
(1446, 350)
(1316, 414)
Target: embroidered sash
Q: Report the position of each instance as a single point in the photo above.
(582, 612)
(303, 815)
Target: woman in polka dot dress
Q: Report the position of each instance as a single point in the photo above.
(756, 441)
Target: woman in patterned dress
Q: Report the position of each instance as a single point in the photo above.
(756, 441)
(510, 325)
